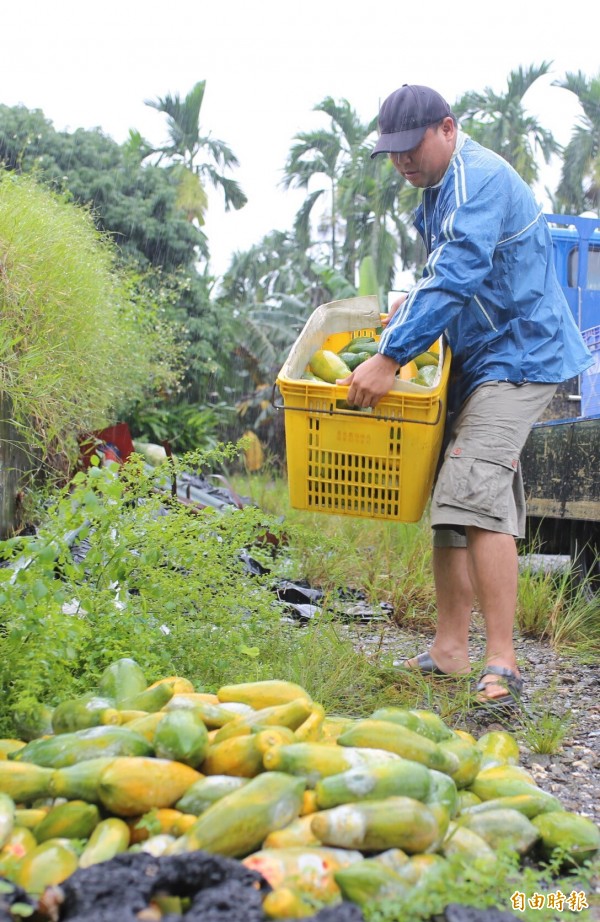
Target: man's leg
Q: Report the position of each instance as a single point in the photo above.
(493, 568)
(454, 593)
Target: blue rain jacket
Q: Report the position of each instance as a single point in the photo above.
(489, 282)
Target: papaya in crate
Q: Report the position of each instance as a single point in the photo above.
(24, 781)
(262, 694)
(94, 742)
(376, 825)
(74, 819)
(384, 734)
(402, 777)
(47, 864)
(110, 837)
(131, 786)
(328, 366)
(237, 824)
(181, 735)
(121, 680)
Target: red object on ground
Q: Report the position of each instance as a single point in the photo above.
(111, 444)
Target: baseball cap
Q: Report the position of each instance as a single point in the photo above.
(405, 116)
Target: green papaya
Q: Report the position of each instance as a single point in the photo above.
(577, 836)
(181, 735)
(370, 881)
(386, 735)
(24, 781)
(402, 777)
(83, 712)
(502, 827)
(110, 837)
(49, 863)
(65, 749)
(354, 359)
(32, 719)
(237, 824)
(122, 680)
(74, 819)
(207, 791)
(79, 781)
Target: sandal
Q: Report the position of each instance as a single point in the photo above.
(508, 680)
(424, 664)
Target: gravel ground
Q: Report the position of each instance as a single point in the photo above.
(560, 688)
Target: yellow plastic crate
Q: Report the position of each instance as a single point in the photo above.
(376, 464)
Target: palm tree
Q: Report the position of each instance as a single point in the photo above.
(325, 152)
(186, 143)
(500, 122)
(579, 188)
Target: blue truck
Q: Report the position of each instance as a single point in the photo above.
(561, 459)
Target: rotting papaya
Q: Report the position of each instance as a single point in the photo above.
(398, 778)
(7, 817)
(297, 833)
(376, 825)
(313, 761)
(467, 845)
(469, 760)
(529, 805)
(502, 827)
(578, 837)
(370, 881)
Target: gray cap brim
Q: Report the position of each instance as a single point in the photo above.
(399, 142)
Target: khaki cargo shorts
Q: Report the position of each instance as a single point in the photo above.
(479, 482)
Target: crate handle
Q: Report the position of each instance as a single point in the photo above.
(352, 413)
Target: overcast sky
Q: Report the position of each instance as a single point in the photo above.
(267, 63)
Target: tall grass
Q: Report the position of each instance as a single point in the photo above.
(391, 562)
(73, 344)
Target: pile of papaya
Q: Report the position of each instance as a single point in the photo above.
(326, 808)
(326, 366)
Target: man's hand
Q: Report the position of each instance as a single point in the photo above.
(394, 307)
(370, 381)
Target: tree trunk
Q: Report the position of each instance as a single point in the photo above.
(14, 464)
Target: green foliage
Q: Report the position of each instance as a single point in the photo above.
(481, 885)
(76, 343)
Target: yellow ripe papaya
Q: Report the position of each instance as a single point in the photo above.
(238, 756)
(110, 837)
(47, 864)
(262, 694)
(502, 781)
(328, 366)
(29, 817)
(146, 725)
(408, 371)
(313, 761)
(297, 833)
(287, 903)
(467, 845)
(498, 747)
(24, 781)
(131, 786)
(8, 746)
(291, 714)
(178, 684)
(469, 760)
(310, 729)
(164, 821)
(309, 803)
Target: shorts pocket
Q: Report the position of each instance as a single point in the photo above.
(475, 483)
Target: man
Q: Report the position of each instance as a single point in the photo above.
(490, 286)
